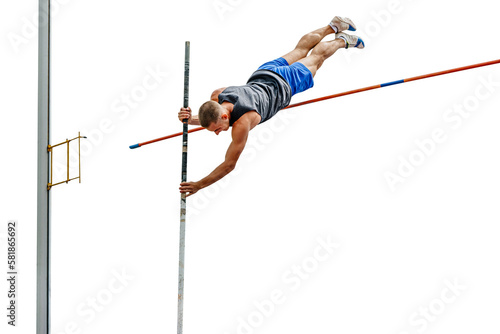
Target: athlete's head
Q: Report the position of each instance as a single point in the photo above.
(213, 117)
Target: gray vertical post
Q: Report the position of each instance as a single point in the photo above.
(43, 194)
(180, 301)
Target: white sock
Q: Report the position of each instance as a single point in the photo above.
(334, 27)
(345, 40)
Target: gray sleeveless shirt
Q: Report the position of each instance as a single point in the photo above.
(266, 92)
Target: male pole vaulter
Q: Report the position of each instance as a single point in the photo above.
(268, 90)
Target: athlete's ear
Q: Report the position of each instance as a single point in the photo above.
(224, 116)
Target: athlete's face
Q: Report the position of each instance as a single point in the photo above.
(221, 125)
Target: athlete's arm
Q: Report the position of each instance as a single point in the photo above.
(240, 134)
(186, 113)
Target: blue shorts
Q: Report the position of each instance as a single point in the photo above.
(297, 75)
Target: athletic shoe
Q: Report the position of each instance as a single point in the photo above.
(351, 41)
(339, 24)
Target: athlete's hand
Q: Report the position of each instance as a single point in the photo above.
(190, 188)
(185, 113)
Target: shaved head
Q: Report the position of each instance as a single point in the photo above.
(210, 112)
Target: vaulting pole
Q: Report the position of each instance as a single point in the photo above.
(425, 76)
(182, 239)
(43, 174)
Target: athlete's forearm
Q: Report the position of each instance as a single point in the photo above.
(194, 120)
(222, 170)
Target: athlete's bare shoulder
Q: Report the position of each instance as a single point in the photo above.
(215, 94)
(248, 120)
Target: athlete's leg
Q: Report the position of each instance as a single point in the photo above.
(325, 50)
(310, 40)
(306, 43)
(320, 53)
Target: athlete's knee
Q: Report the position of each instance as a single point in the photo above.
(318, 59)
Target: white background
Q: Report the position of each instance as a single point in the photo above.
(318, 172)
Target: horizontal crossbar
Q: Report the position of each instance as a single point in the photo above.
(430, 75)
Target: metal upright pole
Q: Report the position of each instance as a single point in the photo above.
(43, 194)
(180, 302)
